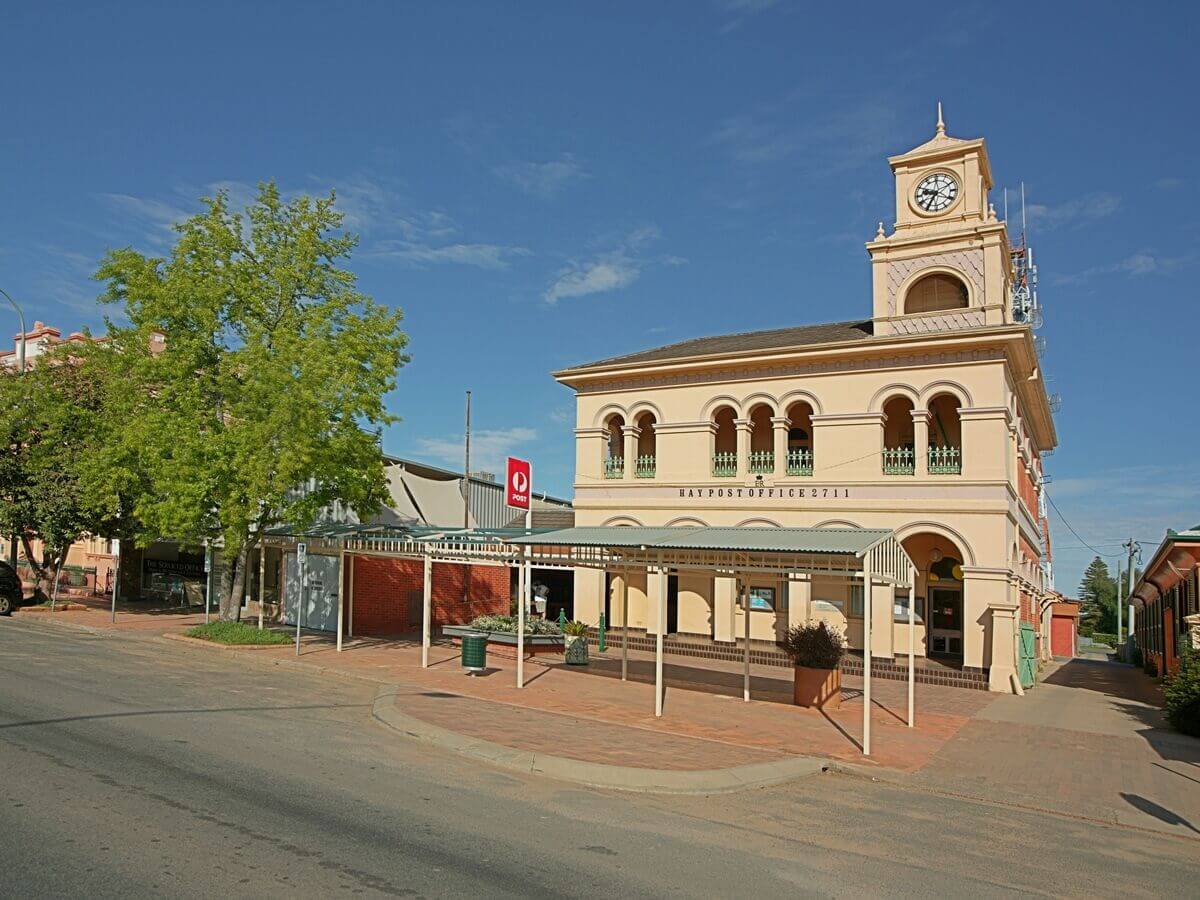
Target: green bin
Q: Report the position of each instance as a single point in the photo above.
(474, 652)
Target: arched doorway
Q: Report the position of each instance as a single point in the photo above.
(939, 595)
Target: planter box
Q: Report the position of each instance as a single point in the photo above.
(501, 643)
(819, 688)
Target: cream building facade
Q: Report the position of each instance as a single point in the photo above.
(931, 418)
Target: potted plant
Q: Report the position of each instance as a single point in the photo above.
(815, 651)
(575, 648)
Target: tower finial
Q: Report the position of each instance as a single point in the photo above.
(941, 126)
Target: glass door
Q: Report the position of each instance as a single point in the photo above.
(945, 609)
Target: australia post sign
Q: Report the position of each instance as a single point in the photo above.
(518, 483)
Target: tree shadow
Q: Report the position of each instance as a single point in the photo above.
(1150, 808)
(1107, 677)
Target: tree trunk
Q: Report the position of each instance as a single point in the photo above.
(43, 574)
(234, 584)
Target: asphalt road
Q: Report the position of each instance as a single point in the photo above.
(133, 767)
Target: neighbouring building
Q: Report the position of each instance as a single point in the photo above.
(1166, 600)
(930, 416)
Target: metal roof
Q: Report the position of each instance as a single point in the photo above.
(685, 537)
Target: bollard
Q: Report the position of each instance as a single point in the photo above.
(562, 617)
(602, 645)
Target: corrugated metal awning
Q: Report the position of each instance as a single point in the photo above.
(685, 537)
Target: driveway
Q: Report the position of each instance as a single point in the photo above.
(1089, 739)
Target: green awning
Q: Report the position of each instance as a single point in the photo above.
(685, 537)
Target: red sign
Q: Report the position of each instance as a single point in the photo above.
(518, 483)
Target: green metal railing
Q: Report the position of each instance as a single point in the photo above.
(614, 467)
(799, 461)
(762, 462)
(945, 461)
(724, 465)
(644, 467)
(899, 461)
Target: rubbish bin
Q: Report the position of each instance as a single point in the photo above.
(474, 652)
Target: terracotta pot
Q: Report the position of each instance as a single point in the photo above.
(821, 688)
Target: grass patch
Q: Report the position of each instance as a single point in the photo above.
(236, 633)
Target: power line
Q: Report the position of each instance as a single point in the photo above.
(1073, 531)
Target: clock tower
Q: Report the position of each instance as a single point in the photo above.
(945, 266)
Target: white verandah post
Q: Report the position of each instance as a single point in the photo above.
(526, 588)
(262, 581)
(625, 624)
(743, 587)
(426, 609)
(350, 600)
(868, 579)
(341, 598)
(658, 643)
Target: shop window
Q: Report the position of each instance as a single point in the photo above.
(762, 599)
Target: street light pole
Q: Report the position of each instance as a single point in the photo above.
(12, 549)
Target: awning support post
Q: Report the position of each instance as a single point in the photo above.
(625, 625)
(341, 598)
(744, 589)
(912, 640)
(262, 581)
(868, 579)
(526, 593)
(426, 609)
(658, 644)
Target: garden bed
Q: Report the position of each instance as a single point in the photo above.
(504, 643)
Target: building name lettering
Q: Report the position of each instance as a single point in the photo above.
(764, 493)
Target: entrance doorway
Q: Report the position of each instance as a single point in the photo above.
(945, 617)
(672, 604)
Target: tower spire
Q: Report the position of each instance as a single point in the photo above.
(941, 126)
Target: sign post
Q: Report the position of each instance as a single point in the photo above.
(301, 572)
(208, 581)
(518, 490)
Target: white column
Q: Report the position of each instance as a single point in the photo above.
(262, 581)
(341, 598)
(625, 625)
(779, 426)
(426, 610)
(744, 428)
(350, 600)
(658, 646)
(912, 641)
(745, 593)
(629, 447)
(799, 588)
(920, 419)
(522, 608)
(868, 581)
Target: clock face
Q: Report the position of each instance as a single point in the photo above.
(936, 192)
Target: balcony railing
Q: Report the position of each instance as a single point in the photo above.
(899, 461)
(644, 466)
(945, 461)
(614, 467)
(724, 465)
(799, 461)
(762, 462)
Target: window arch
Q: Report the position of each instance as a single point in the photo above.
(800, 438)
(646, 464)
(724, 455)
(614, 446)
(762, 440)
(936, 292)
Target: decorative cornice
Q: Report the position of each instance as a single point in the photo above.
(685, 427)
(850, 419)
(590, 432)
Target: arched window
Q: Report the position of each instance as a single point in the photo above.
(799, 443)
(724, 443)
(614, 447)
(935, 293)
(762, 441)
(899, 448)
(945, 436)
(646, 464)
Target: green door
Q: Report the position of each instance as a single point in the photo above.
(1028, 668)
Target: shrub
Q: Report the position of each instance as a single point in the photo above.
(1182, 692)
(1101, 638)
(575, 629)
(237, 633)
(508, 625)
(814, 646)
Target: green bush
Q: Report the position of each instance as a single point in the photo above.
(508, 625)
(1101, 638)
(575, 628)
(1182, 692)
(814, 646)
(237, 633)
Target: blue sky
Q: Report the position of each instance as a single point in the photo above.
(542, 184)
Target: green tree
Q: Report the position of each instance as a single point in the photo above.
(1098, 593)
(253, 376)
(48, 447)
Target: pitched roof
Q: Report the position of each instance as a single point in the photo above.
(744, 342)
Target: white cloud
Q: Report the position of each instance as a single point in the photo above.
(542, 179)
(481, 256)
(156, 216)
(1135, 265)
(488, 448)
(1074, 213)
(608, 271)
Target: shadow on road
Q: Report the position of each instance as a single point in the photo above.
(182, 712)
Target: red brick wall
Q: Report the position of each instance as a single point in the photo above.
(387, 594)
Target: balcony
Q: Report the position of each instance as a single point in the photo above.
(899, 461)
(762, 462)
(644, 467)
(724, 465)
(945, 461)
(799, 461)
(614, 467)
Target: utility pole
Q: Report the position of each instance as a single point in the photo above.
(1135, 549)
(467, 467)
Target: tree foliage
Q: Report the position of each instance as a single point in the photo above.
(1098, 593)
(48, 453)
(252, 373)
